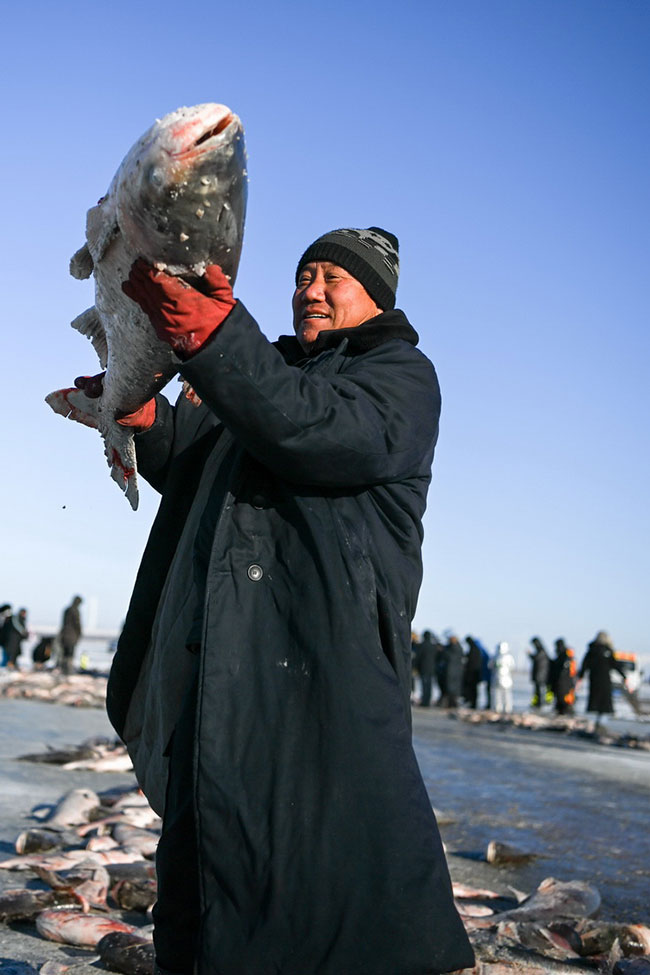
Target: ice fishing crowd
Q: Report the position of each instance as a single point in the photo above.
(58, 648)
(459, 673)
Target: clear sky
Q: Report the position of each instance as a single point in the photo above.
(505, 142)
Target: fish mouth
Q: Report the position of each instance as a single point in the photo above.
(193, 143)
(215, 130)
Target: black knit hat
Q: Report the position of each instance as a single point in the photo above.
(371, 256)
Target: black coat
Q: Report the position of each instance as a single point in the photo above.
(539, 671)
(70, 626)
(599, 662)
(318, 849)
(473, 666)
(454, 669)
(14, 633)
(427, 651)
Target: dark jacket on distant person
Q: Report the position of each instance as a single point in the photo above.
(454, 670)
(599, 661)
(540, 661)
(311, 493)
(71, 626)
(426, 655)
(14, 633)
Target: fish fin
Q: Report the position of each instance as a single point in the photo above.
(119, 448)
(101, 228)
(90, 324)
(74, 404)
(81, 263)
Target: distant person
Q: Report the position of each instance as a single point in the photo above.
(70, 634)
(563, 671)
(486, 674)
(539, 673)
(42, 652)
(427, 654)
(453, 654)
(472, 672)
(5, 615)
(502, 665)
(599, 662)
(15, 633)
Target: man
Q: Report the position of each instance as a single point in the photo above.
(599, 662)
(427, 654)
(266, 651)
(14, 634)
(472, 672)
(70, 634)
(5, 616)
(539, 671)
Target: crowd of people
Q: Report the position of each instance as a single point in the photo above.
(57, 649)
(459, 672)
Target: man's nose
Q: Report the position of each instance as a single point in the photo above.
(314, 289)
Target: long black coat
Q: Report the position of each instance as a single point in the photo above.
(599, 662)
(318, 849)
(426, 656)
(454, 669)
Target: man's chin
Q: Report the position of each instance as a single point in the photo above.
(308, 332)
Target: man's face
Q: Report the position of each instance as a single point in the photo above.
(328, 297)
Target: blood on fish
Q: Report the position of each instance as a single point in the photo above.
(193, 153)
(127, 472)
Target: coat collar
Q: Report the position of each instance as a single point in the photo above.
(389, 325)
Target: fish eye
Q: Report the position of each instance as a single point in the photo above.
(155, 176)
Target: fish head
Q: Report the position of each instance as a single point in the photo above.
(180, 193)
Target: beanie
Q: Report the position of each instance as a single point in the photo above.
(371, 256)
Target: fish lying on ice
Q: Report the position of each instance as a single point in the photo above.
(76, 928)
(127, 953)
(42, 840)
(74, 808)
(555, 899)
(178, 200)
(499, 854)
(23, 904)
(70, 858)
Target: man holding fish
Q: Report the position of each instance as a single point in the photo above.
(262, 680)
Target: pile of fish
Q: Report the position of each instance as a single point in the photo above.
(570, 725)
(552, 930)
(86, 690)
(178, 200)
(92, 856)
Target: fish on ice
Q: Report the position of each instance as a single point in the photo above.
(77, 928)
(178, 200)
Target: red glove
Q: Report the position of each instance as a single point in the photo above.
(139, 421)
(181, 315)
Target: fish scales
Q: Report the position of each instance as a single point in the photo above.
(178, 200)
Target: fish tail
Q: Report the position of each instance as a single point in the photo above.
(119, 448)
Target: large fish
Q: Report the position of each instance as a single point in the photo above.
(178, 200)
(78, 928)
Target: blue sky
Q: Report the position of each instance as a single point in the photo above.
(505, 143)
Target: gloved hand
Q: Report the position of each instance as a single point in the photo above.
(139, 421)
(181, 315)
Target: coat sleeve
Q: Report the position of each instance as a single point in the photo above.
(154, 448)
(374, 422)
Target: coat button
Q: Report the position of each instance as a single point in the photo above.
(255, 572)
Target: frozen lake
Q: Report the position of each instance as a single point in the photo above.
(580, 806)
